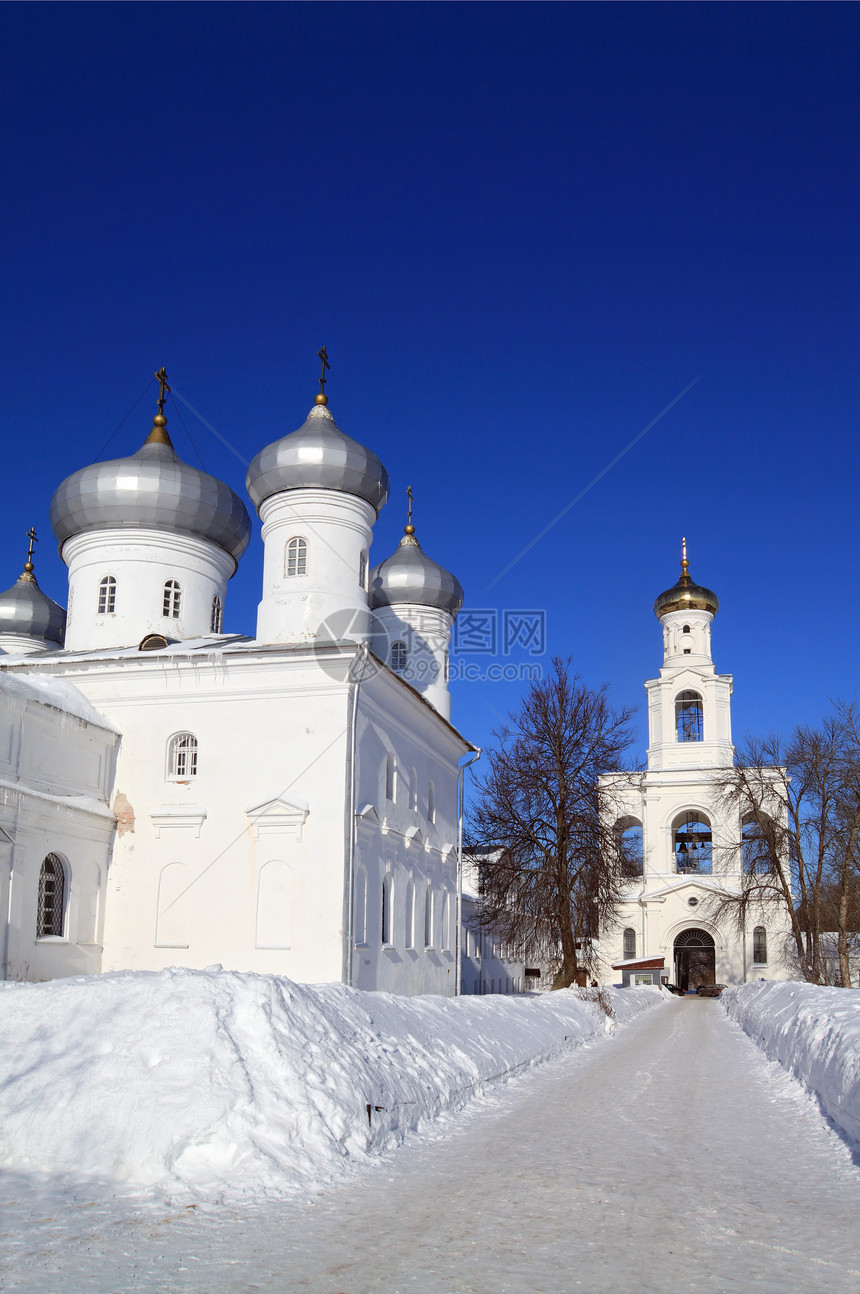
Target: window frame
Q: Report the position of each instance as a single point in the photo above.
(216, 619)
(386, 930)
(296, 556)
(107, 596)
(759, 956)
(689, 716)
(60, 879)
(171, 601)
(399, 656)
(429, 916)
(178, 747)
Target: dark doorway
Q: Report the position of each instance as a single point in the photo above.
(695, 959)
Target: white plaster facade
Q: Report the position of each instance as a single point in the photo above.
(56, 770)
(282, 804)
(689, 847)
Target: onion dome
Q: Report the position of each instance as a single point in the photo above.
(410, 576)
(686, 595)
(27, 612)
(318, 456)
(155, 490)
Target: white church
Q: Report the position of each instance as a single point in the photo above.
(681, 842)
(171, 794)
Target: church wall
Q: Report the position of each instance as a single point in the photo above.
(241, 860)
(406, 842)
(55, 770)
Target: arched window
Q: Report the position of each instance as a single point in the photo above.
(398, 657)
(52, 889)
(386, 908)
(759, 946)
(182, 757)
(692, 843)
(629, 835)
(431, 803)
(172, 599)
(217, 616)
(410, 914)
(428, 918)
(446, 922)
(686, 629)
(689, 723)
(107, 595)
(297, 556)
(755, 854)
(629, 944)
(360, 914)
(362, 571)
(390, 778)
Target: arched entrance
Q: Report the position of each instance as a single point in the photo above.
(695, 959)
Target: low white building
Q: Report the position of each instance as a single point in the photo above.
(676, 835)
(287, 803)
(486, 965)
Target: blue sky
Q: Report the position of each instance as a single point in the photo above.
(521, 230)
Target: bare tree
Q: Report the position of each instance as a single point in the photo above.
(555, 874)
(798, 803)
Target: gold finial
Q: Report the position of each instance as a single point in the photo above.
(158, 435)
(409, 529)
(28, 565)
(322, 398)
(685, 565)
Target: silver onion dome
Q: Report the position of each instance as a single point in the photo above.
(28, 612)
(686, 595)
(153, 489)
(409, 575)
(318, 455)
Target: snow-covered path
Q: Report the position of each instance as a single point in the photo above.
(673, 1157)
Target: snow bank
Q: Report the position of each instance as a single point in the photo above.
(221, 1084)
(815, 1033)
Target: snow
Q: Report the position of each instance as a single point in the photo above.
(220, 1085)
(814, 1032)
(55, 692)
(671, 1156)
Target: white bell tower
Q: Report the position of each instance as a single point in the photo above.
(689, 705)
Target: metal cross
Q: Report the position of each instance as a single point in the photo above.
(34, 539)
(409, 497)
(323, 355)
(161, 378)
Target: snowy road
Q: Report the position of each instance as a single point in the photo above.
(672, 1158)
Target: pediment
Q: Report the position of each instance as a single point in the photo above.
(279, 815)
(414, 837)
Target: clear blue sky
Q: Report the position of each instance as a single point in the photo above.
(521, 230)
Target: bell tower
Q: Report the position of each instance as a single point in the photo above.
(689, 705)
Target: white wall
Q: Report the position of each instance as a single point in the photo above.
(55, 772)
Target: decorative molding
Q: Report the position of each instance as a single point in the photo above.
(279, 816)
(178, 817)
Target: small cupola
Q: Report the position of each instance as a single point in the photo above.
(414, 602)
(29, 620)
